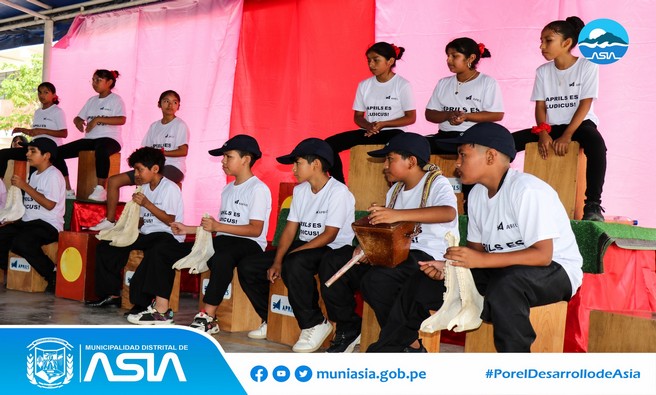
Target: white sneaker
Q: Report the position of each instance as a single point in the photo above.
(102, 225)
(312, 338)
(99, 194)
(259, 333)
(70, 194)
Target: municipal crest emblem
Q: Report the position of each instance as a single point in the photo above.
(50, 363)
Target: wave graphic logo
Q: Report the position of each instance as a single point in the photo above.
(50, 363)
(603, 41)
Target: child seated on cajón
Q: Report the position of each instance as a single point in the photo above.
(322, 211)
(45, 204)
(241, 228)
(169, 134)
(161, 203)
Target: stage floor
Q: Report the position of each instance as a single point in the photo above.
(24, 308)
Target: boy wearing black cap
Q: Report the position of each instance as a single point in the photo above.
(321, 211)
(419, 196)
(240, 230)
(520, 244)
(44, 200)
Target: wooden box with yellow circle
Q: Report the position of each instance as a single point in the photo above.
(77, 264)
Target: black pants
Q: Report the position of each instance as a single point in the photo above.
(104, 147)
(296, 269)
(228, 252)
(339, 297)
(110, 261)
(381, 285)
(509, 294)
(155, 276)
(417, 298)
(25, 239)
(346, 140)
(593, 146)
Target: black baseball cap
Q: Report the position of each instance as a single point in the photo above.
(44, 145)
(239, 142)
(489, 134)
(412, 143)
(311, 146)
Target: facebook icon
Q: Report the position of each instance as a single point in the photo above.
(259, 373)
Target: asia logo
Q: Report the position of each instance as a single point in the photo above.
(603, 41)
(50, 363)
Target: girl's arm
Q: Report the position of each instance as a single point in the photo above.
(180, 151)
(118, 120)
(360, 120)
(562, 143)
(483, 116)
(427, 215)
(544, 140)
(63, 133)
(408, 118)
(435, 116)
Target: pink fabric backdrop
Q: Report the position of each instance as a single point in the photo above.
(511, 31)
(188, 46)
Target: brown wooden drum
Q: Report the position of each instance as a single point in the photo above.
(384, 244)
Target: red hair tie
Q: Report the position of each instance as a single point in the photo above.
(481, 48)
(114, 74)
(396, 50)
(55, 97)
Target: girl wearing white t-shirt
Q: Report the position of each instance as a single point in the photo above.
(49, 122)
(100, 120)
(465, 98)
(383, 105)
(564, 91)
(171, 135)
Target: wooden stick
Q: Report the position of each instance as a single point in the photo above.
(344, 269)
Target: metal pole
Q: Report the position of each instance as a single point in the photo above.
(48, 29)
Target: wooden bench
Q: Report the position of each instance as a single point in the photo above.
(447, 163)
(565, 174)
(86, 172)
(135, 258)
(366, 180)
(22, 277)
(76, 275)
(371, 331)
(281, 324)
(622, 331)
(235, 313)
(548, 323)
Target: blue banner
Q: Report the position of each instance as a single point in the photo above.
(112, 360)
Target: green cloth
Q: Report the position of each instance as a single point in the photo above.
(593, 238)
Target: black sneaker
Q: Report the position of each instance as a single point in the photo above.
(420, 349)
(593, 212)
(344, 341)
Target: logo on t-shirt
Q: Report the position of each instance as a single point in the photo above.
(603, 41)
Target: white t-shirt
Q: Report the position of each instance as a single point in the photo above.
(431, 239)
(250, 200)
(333, 205)
(166, 197)
(384, 101)
(51, 118)
(170, 137)
(51, 184)
(524, 211)
(562, 90)
(110, 106)
(480, 94)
